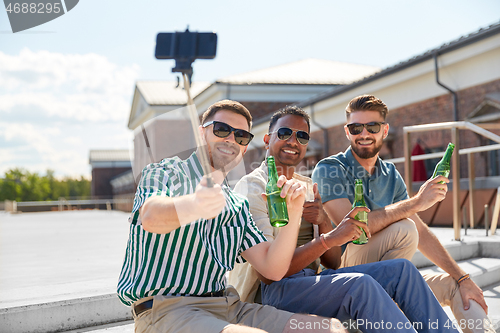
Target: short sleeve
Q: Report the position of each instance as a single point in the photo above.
(251, 237)
(253, 190)
(331, 180)
(401, 191)
(154, 181)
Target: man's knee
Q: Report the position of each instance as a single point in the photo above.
(365, 281)
(407, 227)
(406, 232)
(406, 266)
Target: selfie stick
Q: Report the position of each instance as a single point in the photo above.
(185, 47)
(195, 123)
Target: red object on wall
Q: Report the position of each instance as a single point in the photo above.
(419, 172)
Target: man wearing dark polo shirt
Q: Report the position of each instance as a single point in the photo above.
(396, 228)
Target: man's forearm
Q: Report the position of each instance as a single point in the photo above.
(430, 247)
(279, 255)
(164, 214)
(304, 255)
(331, 258)
(309, 252)
(381, 218)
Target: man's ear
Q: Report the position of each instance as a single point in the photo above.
(386, 130)
(346, 130)
(266, 140)
(202, 133)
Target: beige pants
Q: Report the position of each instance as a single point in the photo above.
(172, 314)
(400, 240)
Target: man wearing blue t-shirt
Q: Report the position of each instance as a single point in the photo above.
(396, 228)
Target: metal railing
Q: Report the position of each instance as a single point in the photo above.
(454, 127)
(12, 206)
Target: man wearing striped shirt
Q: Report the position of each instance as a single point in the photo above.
(184, 236)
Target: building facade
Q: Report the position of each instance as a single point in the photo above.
(469, 66)
(107, 164)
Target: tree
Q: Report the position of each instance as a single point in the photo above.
(22, 185)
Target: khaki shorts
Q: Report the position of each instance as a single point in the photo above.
(171, 314)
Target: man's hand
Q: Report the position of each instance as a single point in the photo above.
(347, 230)
(162, 214)
(295, 194)
(208, 202)
(431, 192)
(313, 211)
(469, 290)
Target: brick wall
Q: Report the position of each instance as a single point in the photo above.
(254, 157)
(434, 110)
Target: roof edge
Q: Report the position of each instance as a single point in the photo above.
(474, 37)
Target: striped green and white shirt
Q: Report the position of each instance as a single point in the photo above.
(192, 259)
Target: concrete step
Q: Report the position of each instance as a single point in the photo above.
(458, 251)
(120, 327)
(484, 271)
(491, 294)
(486, 274)
(85, 314)
(63, 315)
(492, 297)
(461, 251)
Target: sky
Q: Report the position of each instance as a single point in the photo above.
(66, 86)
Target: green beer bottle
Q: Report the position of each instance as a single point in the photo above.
(443, 166)
(276, 205)
(359, 201)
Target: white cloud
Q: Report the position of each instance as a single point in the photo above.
(39, 139)
(55, 108)
(6, 155)
(66, 150)
(83, 87)
(89, 106)
(73, 140)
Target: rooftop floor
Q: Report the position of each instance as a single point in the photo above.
(56, 256)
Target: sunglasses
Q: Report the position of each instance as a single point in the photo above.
(372, 127)
(223, 130)
(284, 133)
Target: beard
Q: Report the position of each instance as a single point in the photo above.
(365, 152)
(221, 161)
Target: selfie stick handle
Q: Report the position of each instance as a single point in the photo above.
(195, 122)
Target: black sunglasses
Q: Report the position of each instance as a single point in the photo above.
(223, 130)
(284, 133)
(372, 127)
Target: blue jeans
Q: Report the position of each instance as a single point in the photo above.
(364, 293)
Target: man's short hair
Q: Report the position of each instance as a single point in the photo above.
(366, 103)
(229, 105)
(293, 110)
